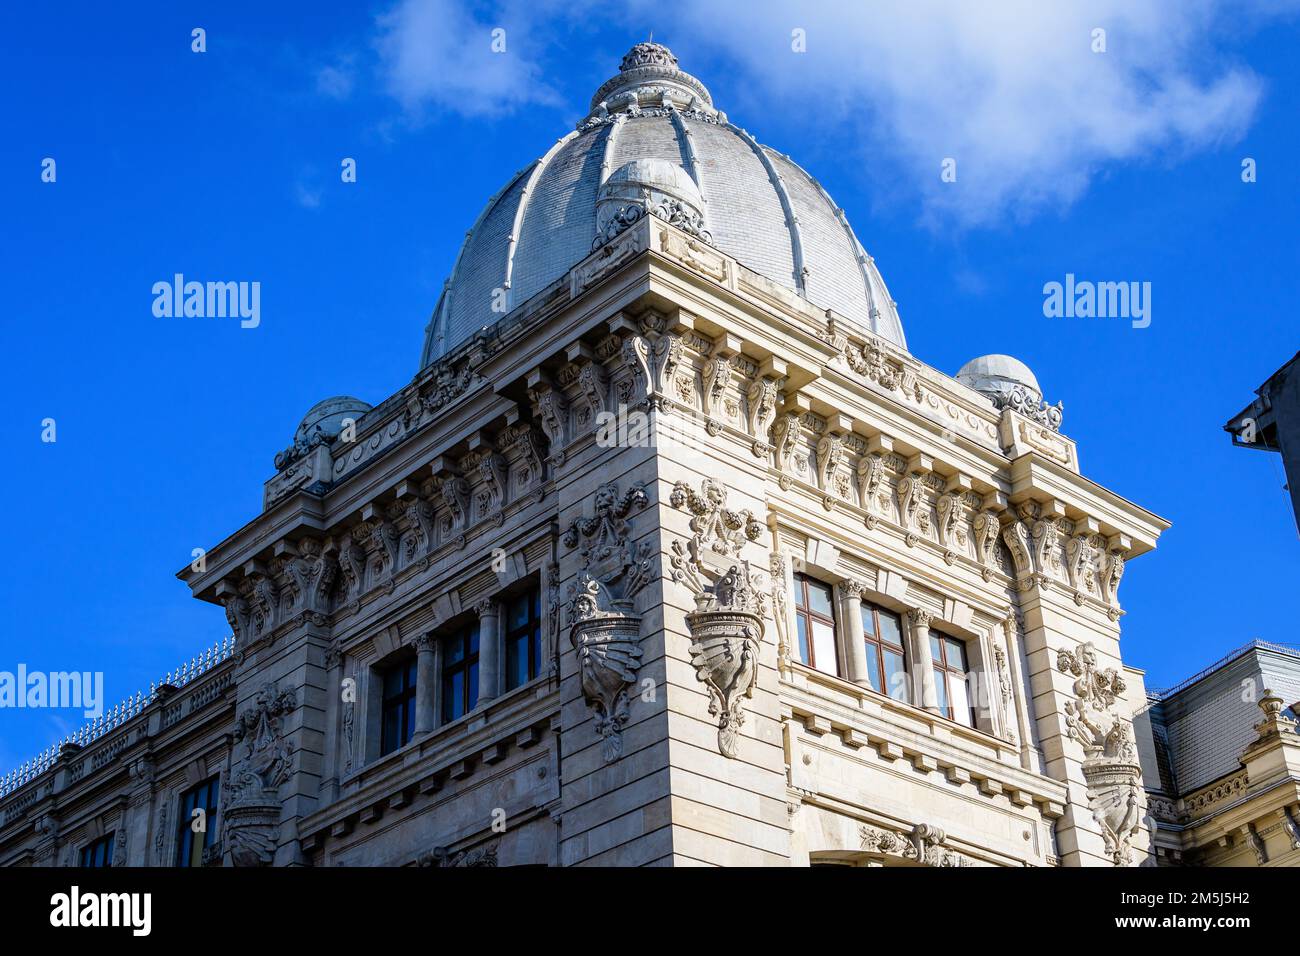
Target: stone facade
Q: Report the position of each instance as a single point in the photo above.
(660, 444)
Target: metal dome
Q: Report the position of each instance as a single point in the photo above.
(654, 143)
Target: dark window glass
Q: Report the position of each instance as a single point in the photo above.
(950, 675)
(459, 673)
(886, 658)
(523, 638)
(398, 714)
(99, 853)
(197, 831)
(816, 623)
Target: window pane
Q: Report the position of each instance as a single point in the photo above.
(799, 579)
(824, 647)
(895, 676)
(393, 682)
(956, 653)
(890, 630)
(535, 642)
(819, 598)
(941, 690)
(868, 620)
(873, 668)
(473, 639)
(471, 686)
(802, 623)
(936, 647)
(517, 661)
(455, 695)
(960, 700)
(518, 613)
(454, 650)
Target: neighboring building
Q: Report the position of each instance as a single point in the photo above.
(1272, 423)
(670, 553)
(1221, 762)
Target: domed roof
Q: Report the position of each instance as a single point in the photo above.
(654, 143)
(987, 372)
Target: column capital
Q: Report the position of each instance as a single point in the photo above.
(424, 643)
(487, 607)
(920, 618)
(852, 588)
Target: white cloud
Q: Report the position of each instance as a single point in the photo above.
(1012, 90)
(436, 53)
(336, 80)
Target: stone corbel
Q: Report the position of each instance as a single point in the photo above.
(453, 494)
(913, 498)
(1117, 546)
(668, 351)
(952, 517)
(262, 596)
(830, 452)
(588, 378)
(634, 357)
(871, 479)
(1015, 534)
(550, 410)
(761, 397)
(717, 375)
(988, 529)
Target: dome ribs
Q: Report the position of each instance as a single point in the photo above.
(433, 333)
(783, 194)
(687, 142)
(513, 242)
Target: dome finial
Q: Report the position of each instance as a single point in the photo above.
(648, 53)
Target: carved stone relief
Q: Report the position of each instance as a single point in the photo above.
(1110, 766)
(603, 628)
(731, 601)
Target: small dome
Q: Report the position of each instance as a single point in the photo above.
(654, 143)
(326, 418)
(322, 424)
(997, 374)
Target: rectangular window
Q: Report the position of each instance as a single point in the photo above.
(886, 658)
(460, 673)
(815, 621)
(948, 655)
(398, 713)
(523, 638)
(99, 853)
(197, 823)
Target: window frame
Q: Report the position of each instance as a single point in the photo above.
(470, 636)
(105, 843)
(803, 608)
(531, 629)
(876, 646)
(943, 669)
(185, 853)
(403, 702)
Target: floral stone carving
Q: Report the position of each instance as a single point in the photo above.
(730, 604)
(1110, 766)
(603, 628)
(251, 816)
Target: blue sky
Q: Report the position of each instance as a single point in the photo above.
(1122, 165)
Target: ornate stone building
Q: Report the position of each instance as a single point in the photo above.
(1221, 762)
(670, 553)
